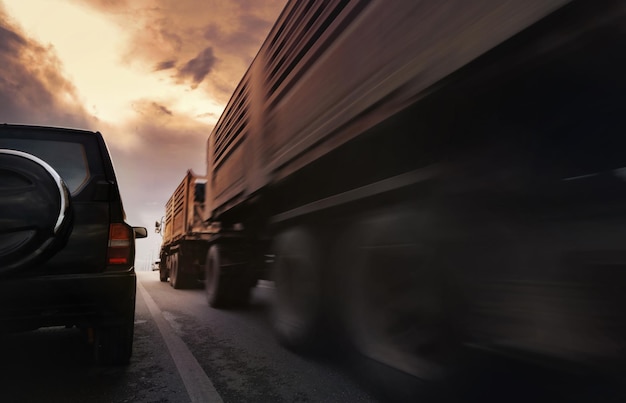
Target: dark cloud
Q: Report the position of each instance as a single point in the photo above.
(165, 33)
(198, 68)
(33, 88)
(165, 65)
(163, 109)
(150, 110)
(254, 28)
(246, 40)
(9, 40)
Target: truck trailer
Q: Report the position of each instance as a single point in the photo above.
(186, 234)
(427, 177)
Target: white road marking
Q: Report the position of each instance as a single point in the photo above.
(199, 386)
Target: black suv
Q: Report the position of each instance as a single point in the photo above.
(66, 254)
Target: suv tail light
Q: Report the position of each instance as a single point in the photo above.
(120, 241)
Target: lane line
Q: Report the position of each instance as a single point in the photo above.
(199, 386)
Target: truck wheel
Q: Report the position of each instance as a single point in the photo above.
(164, 268)
(297, 274)
(217, 295)
(400, 302)
(168, 265)
(176, 280)
(225, 289)
(181, 279)
(162, 274)
(171, 269)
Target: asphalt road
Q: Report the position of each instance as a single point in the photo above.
(184, 351)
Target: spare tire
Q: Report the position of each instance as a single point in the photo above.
(35, 214)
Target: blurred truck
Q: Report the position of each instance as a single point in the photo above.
(422, 178)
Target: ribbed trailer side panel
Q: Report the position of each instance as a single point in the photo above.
(176, 213)
(330, 70)
(391, 53)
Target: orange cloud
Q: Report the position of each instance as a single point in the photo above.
(151, 152)
(203, 44)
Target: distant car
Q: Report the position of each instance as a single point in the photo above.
(156, 264)
(66, 253)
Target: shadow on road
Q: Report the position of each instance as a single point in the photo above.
(55, 364)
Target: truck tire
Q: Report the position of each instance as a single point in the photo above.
(162, 273)
(176, 277)
(179, 276)
(33, 231)
(225, 289)
(296, 312)
(171, 268)
(400, 302)
(217, 294)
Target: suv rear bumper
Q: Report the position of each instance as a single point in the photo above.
(83, 300)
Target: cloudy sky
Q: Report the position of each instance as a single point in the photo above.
(152, 75)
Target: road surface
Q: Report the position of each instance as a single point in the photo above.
(184, 351)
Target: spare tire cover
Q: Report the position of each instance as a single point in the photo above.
(35, 218)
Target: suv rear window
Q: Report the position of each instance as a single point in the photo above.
(68, 159)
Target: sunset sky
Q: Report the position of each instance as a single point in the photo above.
(152, 75)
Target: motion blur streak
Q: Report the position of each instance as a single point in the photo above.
(441, 184)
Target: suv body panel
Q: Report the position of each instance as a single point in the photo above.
(73, 284)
